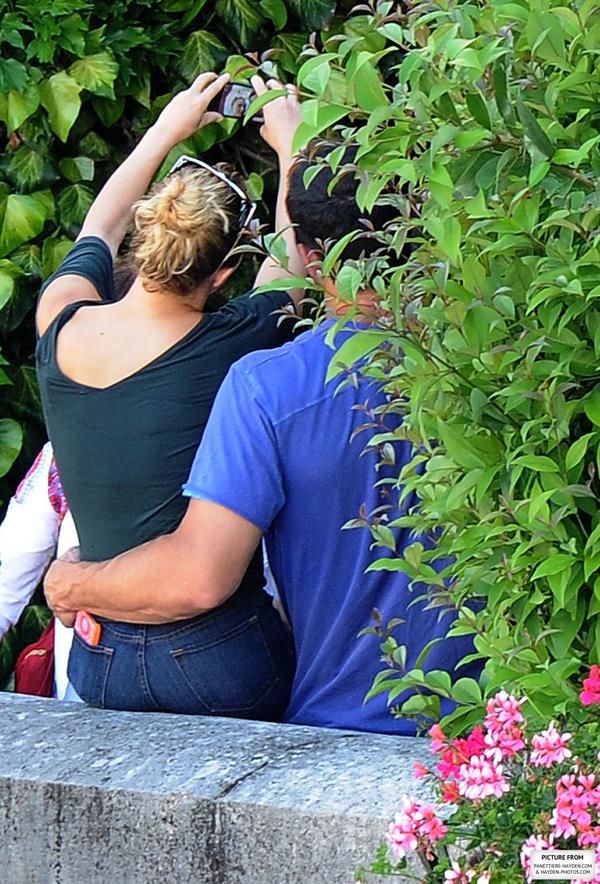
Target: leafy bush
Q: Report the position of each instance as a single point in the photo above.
(79, 82)
(480, 122)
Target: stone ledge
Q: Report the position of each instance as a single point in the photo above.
(127, 798)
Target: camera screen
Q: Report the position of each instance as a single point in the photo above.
(237, 100)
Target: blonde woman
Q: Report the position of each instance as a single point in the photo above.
(127, 388)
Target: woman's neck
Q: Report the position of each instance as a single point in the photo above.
(164, 303)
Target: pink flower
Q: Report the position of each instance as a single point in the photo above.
(591, 685)
(420, 770)
(457, 753)
(481, 778)
(534, 842)
(572, 817)
(484, 878)
(504, 712)
(504, 737)
(550, 747)
(502, 744)
(439, 740)
(457, 875)
(416, 825)
(401, 836)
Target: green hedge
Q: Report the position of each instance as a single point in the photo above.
(485, 133)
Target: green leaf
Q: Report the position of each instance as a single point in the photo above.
(591, 406)
(74, 203)
(275, 11)
(96, 73)
(26, 168)
(466, 690)
(77, 169)
(314, 14)
(13, 75)
(33, 621)
(533, 130)
(353, 350)
(16, 107)
(336, 250)
(368, 88)
(458, 447)
(8, 656)
(315, 73)
(11, 439)
(538, 462)
(257, 104)
(447, 232)
(538, 173)
(553, 565)
(577, 450)
(478, 107)
(254, 186)
(202, 51)
(8, 273)
(54, 250)
(24, 218)
(439, 680)
(243, 17)
(501, 93)
(60, 96)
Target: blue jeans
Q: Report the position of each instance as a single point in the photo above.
(236, 662)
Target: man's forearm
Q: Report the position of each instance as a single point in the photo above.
(153, 583)
(174, 577)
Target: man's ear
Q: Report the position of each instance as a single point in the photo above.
(312, 259)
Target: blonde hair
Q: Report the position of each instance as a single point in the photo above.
(183, 229)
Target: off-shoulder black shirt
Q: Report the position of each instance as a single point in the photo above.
(123, 452)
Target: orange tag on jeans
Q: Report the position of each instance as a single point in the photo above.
(87, 628)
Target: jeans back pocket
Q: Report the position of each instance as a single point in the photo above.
(88, 670)
(230, 674)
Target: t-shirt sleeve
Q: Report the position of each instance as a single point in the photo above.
(270, 317)
(90, 258)
(237, 463)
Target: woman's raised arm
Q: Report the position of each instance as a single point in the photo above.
(110, 214)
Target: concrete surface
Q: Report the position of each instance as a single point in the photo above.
(91, 797)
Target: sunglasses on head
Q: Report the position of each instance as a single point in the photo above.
(247, 207)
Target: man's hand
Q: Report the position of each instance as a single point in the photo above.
(282, 116)
(187, 111)
(60, 582)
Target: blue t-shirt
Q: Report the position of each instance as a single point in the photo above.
(279, 450)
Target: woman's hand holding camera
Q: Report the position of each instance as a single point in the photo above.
(282, 116)
(187, 111)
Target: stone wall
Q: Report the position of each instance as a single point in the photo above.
(91, 797)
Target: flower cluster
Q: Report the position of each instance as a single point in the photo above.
(472, 767)
(577, 809)
(415, 827)
(504, 723)
(505, 765)
(550, 747)
(591, 687)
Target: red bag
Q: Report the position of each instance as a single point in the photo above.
(34, 670)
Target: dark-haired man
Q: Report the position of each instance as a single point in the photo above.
(280, 457)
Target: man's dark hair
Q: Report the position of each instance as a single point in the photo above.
(321, 215)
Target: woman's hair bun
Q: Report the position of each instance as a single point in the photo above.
(183, 229)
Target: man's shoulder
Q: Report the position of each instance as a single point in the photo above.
(278, 363)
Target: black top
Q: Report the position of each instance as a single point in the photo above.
(123, 452)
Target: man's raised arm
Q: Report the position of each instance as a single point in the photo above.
(174, 577)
